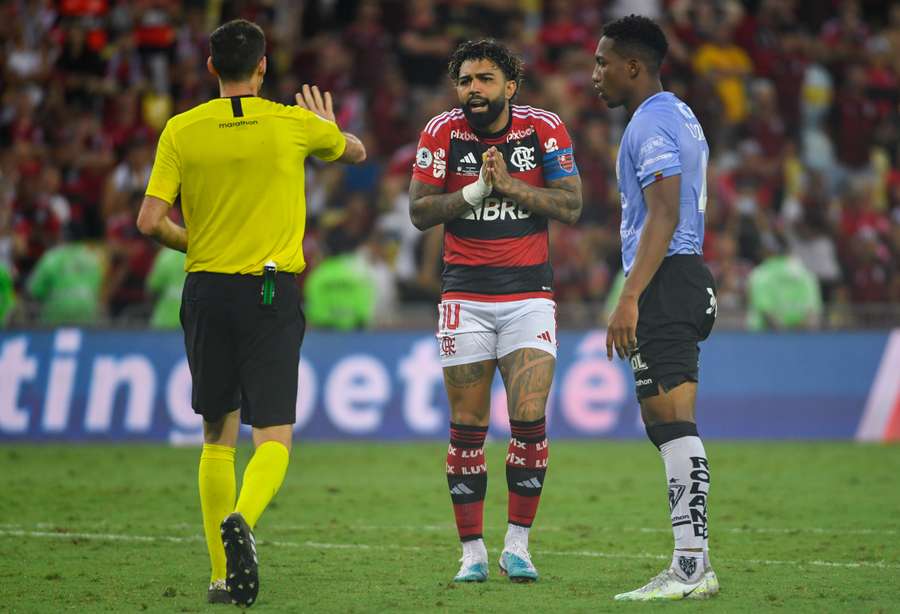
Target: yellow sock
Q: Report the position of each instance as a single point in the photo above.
(262, 479)
(217, 486)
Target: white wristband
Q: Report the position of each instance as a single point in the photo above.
(474, 193)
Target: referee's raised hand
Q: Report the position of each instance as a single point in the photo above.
(311, 99)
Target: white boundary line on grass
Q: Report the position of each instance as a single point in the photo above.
(541, 528)
(326, 546)
(737, 530)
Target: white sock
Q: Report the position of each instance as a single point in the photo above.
(688, 565)
(687, 476)
(516, 538)
(475, 548)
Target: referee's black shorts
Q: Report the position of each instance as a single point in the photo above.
(243, 354)
(676, 311)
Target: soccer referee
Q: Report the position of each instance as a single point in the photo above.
(237, 163)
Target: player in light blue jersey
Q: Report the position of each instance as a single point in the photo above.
(668, 303)
(663, 139)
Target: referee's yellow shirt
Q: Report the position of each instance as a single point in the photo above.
(238, 164)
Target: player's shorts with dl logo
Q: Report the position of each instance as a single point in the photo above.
(472, 331)
(676, 311)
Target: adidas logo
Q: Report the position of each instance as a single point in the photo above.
(469, 158)
(545, 336)
(532, 483)
(461, 489)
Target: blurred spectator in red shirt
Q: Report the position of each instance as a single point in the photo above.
(596, 162)
(881, 79)
(423, 46)
(82, 69)
(844, 35)
(745, 187)
(35, 226)
(561, 31)
(859, 212)
(390, 111)
(86, 156)
(853, 120)
(580, 272)
(124, 122)
(870, 272)
(131, 256)
(766, 128)
(20, 128)
(892, 34)
(369, 43)
(759, 33)
(788, 72)
(126, 67)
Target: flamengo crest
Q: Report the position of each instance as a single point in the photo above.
(523, 158)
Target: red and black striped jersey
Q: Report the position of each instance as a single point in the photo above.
(499, 251)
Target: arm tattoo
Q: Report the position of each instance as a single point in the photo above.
(429, 205)
(464, 376)
(527, 375)
(560, 200)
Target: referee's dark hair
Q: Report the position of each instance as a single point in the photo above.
(487, 49)
(236, 48)
(640, 37)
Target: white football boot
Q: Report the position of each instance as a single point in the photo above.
(516, 563)
(474, 561)
(668, 585)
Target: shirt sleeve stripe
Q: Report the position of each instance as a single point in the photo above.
(662, 173)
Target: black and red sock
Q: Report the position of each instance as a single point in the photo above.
(467, 478)
(526, 466)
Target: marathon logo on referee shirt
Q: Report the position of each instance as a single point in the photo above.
(240, 122)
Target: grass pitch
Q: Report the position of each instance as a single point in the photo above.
(369, 528)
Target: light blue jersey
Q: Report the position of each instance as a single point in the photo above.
(663, 138)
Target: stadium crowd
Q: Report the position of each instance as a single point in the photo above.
(798, 100)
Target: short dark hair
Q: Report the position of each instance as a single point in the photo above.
(236, 48)
(639, 37)
(486, 49)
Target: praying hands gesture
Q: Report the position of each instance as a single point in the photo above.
(497, 173)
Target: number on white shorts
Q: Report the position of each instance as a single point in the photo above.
(449, 316)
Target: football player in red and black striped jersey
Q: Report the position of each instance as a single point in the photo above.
(494, 174)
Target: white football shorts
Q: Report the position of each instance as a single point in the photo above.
(472, 331)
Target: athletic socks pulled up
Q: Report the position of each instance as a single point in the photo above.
(467, 478)
(516, 539)
(262, 478)
(688, 479)
(474, 549)
(217, 490)
(526, 466)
